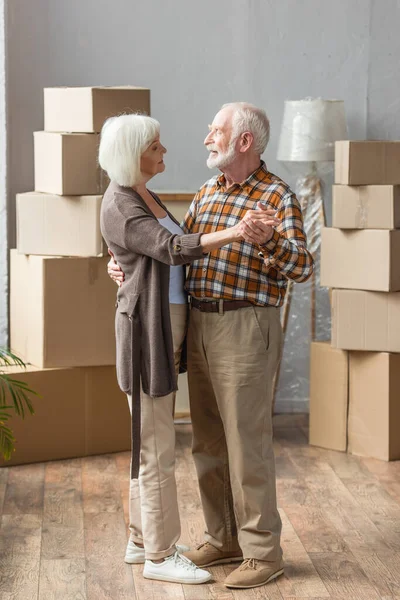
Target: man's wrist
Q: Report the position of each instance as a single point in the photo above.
(270, 245)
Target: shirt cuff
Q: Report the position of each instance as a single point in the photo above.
(271, 246)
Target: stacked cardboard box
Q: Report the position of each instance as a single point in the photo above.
(62, 301)
(355, 381)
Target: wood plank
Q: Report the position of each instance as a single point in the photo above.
(343, 576)
(328, 490)
(393, 489)
(123, 461)
(285, 468)
(300, 577)
(4, 474)
(63, 494)
(101, 492)
(382, 570)
(380, 507)
(64, 472)
(63, 512)
(62, 543)
(19, 576)
(341, 508)
(21, 535)
(3, 487)
(62, 579)
(293, 491)
(192, 520)
(382, 470)
(316, 533)
(156, 590)
(24, 493)
(355, 527)
(373, 498)
(107, 576)
(348, 466)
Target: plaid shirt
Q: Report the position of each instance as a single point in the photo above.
(235, 271)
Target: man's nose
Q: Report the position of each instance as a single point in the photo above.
(208, 138)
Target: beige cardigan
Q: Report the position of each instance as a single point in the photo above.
(144, 250)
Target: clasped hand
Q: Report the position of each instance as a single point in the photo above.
(257, 226)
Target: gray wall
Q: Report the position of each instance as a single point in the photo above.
(3, 184)
(195, 56)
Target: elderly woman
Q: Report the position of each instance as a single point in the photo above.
(151, 317)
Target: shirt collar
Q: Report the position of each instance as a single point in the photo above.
(258, 175)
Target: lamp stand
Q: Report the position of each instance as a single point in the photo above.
(309, 193)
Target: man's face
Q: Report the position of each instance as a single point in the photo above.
(219, 142)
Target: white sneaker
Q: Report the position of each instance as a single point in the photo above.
(175, 568)
(135, 554)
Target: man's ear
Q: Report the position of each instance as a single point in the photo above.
(246, 141)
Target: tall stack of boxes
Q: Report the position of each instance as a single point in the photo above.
(355, 380)
(62, 301)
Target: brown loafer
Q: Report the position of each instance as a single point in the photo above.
(253, 573)
(207, 555)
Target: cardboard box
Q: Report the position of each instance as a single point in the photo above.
(361, 260)
(62, 311)
(80, 412)
(53, 225)
(84, 109)
(66, 164)
(367, 162)
(366, 207)
(374, 405)
(366, 320)
(329, 374)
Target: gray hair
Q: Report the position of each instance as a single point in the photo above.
(248, 117)
(123, 141)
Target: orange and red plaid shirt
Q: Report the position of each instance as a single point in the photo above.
(236, 271)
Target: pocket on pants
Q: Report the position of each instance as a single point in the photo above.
(261, 321)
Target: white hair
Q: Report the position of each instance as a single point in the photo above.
(248, 117)
(123, 141)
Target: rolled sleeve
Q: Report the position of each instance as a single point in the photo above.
(287, 251)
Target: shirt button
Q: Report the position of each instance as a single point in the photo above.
(204, 270)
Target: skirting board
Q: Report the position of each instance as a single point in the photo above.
(283, 406)
(290, 405)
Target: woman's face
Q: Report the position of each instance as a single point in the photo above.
(151, 161)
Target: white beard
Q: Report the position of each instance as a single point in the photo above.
(220, 161)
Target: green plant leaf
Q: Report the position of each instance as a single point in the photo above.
(6, 441)
(18, 390)
(8, 358)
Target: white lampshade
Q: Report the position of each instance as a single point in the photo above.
(310, 129)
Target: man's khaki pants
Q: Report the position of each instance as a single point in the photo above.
(232, 359)
(153, 506)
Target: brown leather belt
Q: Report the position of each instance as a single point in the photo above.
(213, 305)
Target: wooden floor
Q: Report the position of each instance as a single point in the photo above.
(63, 527)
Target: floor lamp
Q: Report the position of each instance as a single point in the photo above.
(309, 130)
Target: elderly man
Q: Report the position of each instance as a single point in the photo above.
(234, 345)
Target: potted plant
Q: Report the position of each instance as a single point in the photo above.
(14, 398)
